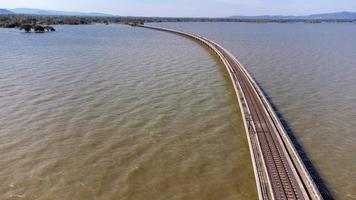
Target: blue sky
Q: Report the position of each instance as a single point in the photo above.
(188, 8)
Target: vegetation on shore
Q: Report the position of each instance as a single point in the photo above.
(134, 23)
(15, 21)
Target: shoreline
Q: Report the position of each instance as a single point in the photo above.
(14, 21)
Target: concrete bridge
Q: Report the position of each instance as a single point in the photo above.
(279, 171)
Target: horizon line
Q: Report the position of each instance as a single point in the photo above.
(118, 15)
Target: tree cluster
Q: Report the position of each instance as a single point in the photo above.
(12, 21)
(36, 28)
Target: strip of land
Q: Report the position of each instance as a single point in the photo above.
(16, 20)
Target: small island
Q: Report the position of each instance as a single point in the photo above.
(36, 28)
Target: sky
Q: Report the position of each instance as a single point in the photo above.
(188, 8)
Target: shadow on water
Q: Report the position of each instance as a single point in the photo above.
(325, 192)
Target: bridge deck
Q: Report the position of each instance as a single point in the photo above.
(279, 171)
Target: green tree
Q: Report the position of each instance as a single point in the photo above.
(39, 29)
(26, 27)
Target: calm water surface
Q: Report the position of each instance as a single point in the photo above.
(113, 112)
(309, 72)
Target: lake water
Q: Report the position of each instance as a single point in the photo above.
(115, 112)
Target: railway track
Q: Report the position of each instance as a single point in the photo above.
(279, 171)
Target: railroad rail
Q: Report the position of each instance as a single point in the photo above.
(279, 171)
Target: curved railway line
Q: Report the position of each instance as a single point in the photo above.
(279, 171)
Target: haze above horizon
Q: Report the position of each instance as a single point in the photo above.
(189, 8)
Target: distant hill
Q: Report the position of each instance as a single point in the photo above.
(33, 11)
(5, 12)
(324, 16)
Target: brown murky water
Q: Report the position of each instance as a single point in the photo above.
(308, 71)
(113, 112)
